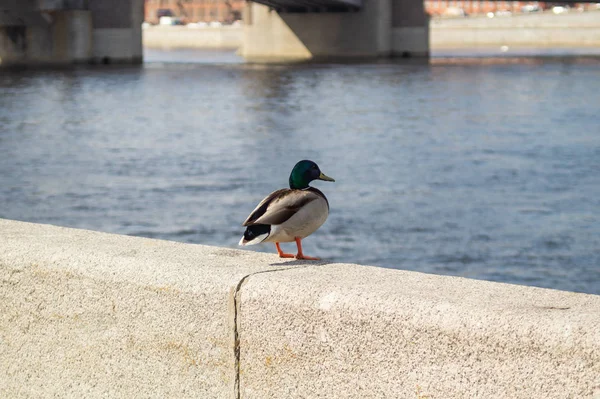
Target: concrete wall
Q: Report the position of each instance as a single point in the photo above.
(87, 314)
(538, 30)
(176, 37)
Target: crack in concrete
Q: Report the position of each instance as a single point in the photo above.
(236, 322)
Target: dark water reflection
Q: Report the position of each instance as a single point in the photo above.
(490, 172)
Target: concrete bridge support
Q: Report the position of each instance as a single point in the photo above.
(381, 28)
(410, 29)
(70, 31)
(117, 30)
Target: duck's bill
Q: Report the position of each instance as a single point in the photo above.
(322, 176)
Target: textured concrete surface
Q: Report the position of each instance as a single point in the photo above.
(88, 314)
(350, 331)
(175, 37)
(532, 30)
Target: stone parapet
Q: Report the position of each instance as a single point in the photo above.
(88, 314)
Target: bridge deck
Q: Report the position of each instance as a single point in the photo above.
(312, 5)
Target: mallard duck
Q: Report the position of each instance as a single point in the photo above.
(290, 214)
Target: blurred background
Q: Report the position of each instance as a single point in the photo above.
(482, 161)
(199, 12)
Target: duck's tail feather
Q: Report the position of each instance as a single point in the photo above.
(255, 234)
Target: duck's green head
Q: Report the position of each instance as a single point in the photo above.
(304, 172)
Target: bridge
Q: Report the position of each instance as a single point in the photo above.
(70, 31)
(109, 31)
(304, 6)
(334, 29)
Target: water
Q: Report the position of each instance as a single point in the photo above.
(483, 171)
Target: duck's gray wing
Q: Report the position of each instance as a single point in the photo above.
(279, 206)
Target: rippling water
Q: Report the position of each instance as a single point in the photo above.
(482, 171)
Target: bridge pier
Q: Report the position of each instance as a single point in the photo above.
(410, 29)
(117, 31)
(381, 28)
(70, 31)
(57, 36)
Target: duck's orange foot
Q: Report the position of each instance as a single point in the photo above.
(281, 253)
(300, 255)
(304, 257)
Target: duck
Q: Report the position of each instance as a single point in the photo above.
(290, 214)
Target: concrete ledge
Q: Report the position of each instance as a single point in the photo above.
(542, 30)
(87, 314)
(177, 37)
(355, 332)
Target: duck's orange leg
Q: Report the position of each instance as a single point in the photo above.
(281, 253)
(300, 255)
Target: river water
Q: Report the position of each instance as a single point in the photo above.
(487, 171)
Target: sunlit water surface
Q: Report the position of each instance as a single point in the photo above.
(483, 171)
